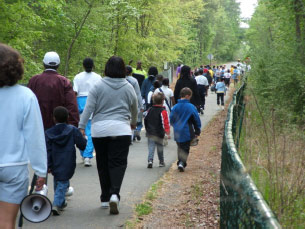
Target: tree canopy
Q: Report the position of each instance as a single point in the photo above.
(277, 48)
(153, 31)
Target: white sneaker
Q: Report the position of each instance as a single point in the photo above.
(114, 204)
(69, 191)
(105, 205)
(222, 107)
(87, 162)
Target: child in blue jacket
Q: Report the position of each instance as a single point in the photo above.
(61, 140)
(186, 122)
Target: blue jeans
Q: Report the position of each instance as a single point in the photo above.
(60, 188)
(151, 149)
(81, 101)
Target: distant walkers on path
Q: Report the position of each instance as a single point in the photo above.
(203, 85)
(82, 84)
(185, 80)
(221, 92)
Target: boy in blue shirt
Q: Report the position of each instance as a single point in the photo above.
(61, 140)
(186, 122)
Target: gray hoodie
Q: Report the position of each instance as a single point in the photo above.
(111, 99)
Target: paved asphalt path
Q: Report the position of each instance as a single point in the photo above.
(84, 207)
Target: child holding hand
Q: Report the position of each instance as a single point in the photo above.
(61, 140)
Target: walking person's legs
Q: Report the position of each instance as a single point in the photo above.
(160, 153)
(118, 148)
(183, 152)
(60, 188)
(100, 145)
(138, 129)
(88, 152)
(222, 99)
(151, 151)
(218, 98)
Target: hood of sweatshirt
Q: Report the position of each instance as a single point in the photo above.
(115, 83)
(60, 133)
(151, 77)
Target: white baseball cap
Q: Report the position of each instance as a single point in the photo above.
(51, 59)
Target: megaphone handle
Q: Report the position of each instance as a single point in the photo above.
(33, 183)
(20, 223)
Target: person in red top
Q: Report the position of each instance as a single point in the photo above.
(156, 126)
(53, 90)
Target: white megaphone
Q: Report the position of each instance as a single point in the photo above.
(36, 207)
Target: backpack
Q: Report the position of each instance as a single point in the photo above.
(213, 88)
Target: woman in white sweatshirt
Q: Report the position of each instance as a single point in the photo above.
(22, 137)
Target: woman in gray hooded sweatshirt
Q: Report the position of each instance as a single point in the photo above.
(113, 104)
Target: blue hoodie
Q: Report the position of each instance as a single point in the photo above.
(185, 120)
(61, 140)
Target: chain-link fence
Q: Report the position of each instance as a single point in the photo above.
(241, 203)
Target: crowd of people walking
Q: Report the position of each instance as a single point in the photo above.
(46, 120)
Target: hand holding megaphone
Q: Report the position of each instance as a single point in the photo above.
(36, 207)
(39, 183)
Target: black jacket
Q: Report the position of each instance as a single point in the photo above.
(156, 122)
(61, 140)
(190, 83)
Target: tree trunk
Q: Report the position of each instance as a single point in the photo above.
(77, 32)
(298, 6)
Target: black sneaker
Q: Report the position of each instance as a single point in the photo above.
(162, 164)
(138, 137)
(55, 210)
(181, 167)
(63, 206)
(201, 111)
(150, 164)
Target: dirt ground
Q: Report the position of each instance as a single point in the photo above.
(191, 198)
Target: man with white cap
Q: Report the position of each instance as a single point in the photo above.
(53, 90)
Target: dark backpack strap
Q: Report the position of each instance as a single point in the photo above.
(129, 81)
(169, 107)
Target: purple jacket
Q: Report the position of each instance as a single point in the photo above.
(52, 90)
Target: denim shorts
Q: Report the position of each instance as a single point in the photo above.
(14, 183)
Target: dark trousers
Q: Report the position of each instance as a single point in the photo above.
(183, 152)
(111, 161)
(220, 96)
(202, 93)
(227, 81)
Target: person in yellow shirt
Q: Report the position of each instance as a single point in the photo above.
(232, 69)
(139, 73)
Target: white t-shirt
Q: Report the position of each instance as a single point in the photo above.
(84, 81)
(168, 94)
(202, 80)
(227, 75)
